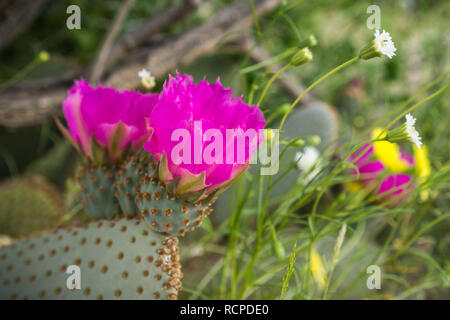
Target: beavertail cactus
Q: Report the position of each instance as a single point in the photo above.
(133, 175)
(117, 258)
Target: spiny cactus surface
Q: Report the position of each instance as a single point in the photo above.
(97, 191)
(169, 214)
(127, 182)
(117, 259)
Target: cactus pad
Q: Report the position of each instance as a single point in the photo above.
(118, 259)
(127, 182)
(97, 191)
(166, 213)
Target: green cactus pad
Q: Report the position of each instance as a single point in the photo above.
(128, 181)
(28, 205)
(97, 191)
(169, 214)
(117, 259)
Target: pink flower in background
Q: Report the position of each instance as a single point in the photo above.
(198, 108)
(397, 182)
(383, 171)
(116, 119)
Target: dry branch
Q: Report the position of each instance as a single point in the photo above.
(193, 44)
(102, 58)
(133, 39)
(15, 16)
(22, 108)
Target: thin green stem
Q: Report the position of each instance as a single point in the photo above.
(342, 66)
(272, 79)
(255, 17)
(407, 102)
(418, 104)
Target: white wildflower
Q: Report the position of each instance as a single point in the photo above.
(411, 130)
(384, 44)
(307, 160)
(147, 80)
(405, 133)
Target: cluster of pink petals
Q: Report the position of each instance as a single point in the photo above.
(183, 102)
(117, 120)
(373, 172)
(107, 114)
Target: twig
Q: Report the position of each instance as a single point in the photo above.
(102, 58)
(27, 107)
(133, 39)
(193, 44)
(126, 44)
(15, 16)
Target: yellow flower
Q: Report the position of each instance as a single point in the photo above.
(317, 269)
(388, 152)
(422, 163)
(422, 168)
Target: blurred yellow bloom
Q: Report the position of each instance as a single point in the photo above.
(388, 152)
(353, 186)
(317, 269)
(269, 133)
(422, 168)
(422, 163)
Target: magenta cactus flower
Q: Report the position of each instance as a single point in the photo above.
(192, 125)
(383, 164)
(115, 121)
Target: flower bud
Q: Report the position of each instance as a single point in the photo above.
(301, 57)
(315, 140)
(44, 56)
(299, 142)
(284, 108)
(311, 41)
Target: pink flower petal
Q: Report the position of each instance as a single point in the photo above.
(184, 104)
(394, 182)
(97, 111)
(370, 170)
